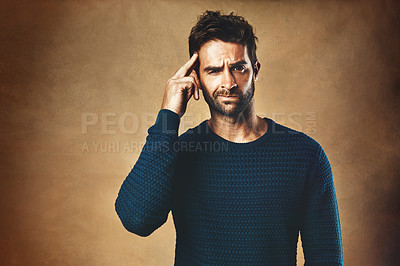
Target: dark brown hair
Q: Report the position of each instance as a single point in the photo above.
(212, 25)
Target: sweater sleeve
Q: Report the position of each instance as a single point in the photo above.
(144, 199)
(320, 229)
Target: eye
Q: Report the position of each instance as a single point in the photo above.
(238, 68)
(213, 71)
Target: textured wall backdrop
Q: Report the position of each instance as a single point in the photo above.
(81, 81)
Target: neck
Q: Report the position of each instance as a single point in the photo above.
(244, 127)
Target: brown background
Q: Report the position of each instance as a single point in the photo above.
(61, 60)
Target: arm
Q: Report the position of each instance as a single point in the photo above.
(143, 202)
(320, 230)
(144, 199)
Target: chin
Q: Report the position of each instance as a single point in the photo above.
(230, 112)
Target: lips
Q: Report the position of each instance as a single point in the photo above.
(227, 96)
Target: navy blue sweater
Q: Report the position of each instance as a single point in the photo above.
(234, 203)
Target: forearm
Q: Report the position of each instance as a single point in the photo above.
(144, 199)
(320, 230)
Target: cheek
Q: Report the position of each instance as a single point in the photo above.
(210, 83)
(244, 79)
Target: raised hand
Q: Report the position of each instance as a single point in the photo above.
(181, 87)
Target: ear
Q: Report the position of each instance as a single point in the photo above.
(256, 68)
(197, 74)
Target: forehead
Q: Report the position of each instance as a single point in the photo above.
(216, 52)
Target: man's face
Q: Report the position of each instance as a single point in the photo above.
(227, 76)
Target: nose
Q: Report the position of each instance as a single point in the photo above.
(228, 80)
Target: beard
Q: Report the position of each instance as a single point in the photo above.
(231, 109)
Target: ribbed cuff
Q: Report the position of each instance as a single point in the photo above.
(167, 121)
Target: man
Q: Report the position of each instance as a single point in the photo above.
(245, 200)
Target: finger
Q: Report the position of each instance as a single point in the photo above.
(186, 88)
(189, 87)
(187, 67)
(197, 87)
(187, 79)
(194, 86)
(187, 84)
(189, 94)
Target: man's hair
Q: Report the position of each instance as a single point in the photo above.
(212, 25)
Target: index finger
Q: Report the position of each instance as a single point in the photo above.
(187, 67)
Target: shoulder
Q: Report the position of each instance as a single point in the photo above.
(194, 134)
(292, 139)
(300, 145)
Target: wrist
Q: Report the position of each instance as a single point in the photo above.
(168, 120)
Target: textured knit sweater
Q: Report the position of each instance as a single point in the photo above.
(234, 203)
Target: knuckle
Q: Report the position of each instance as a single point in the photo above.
(171, 82)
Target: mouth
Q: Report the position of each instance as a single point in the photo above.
(227, 96)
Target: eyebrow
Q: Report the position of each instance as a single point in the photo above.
(213, 68)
